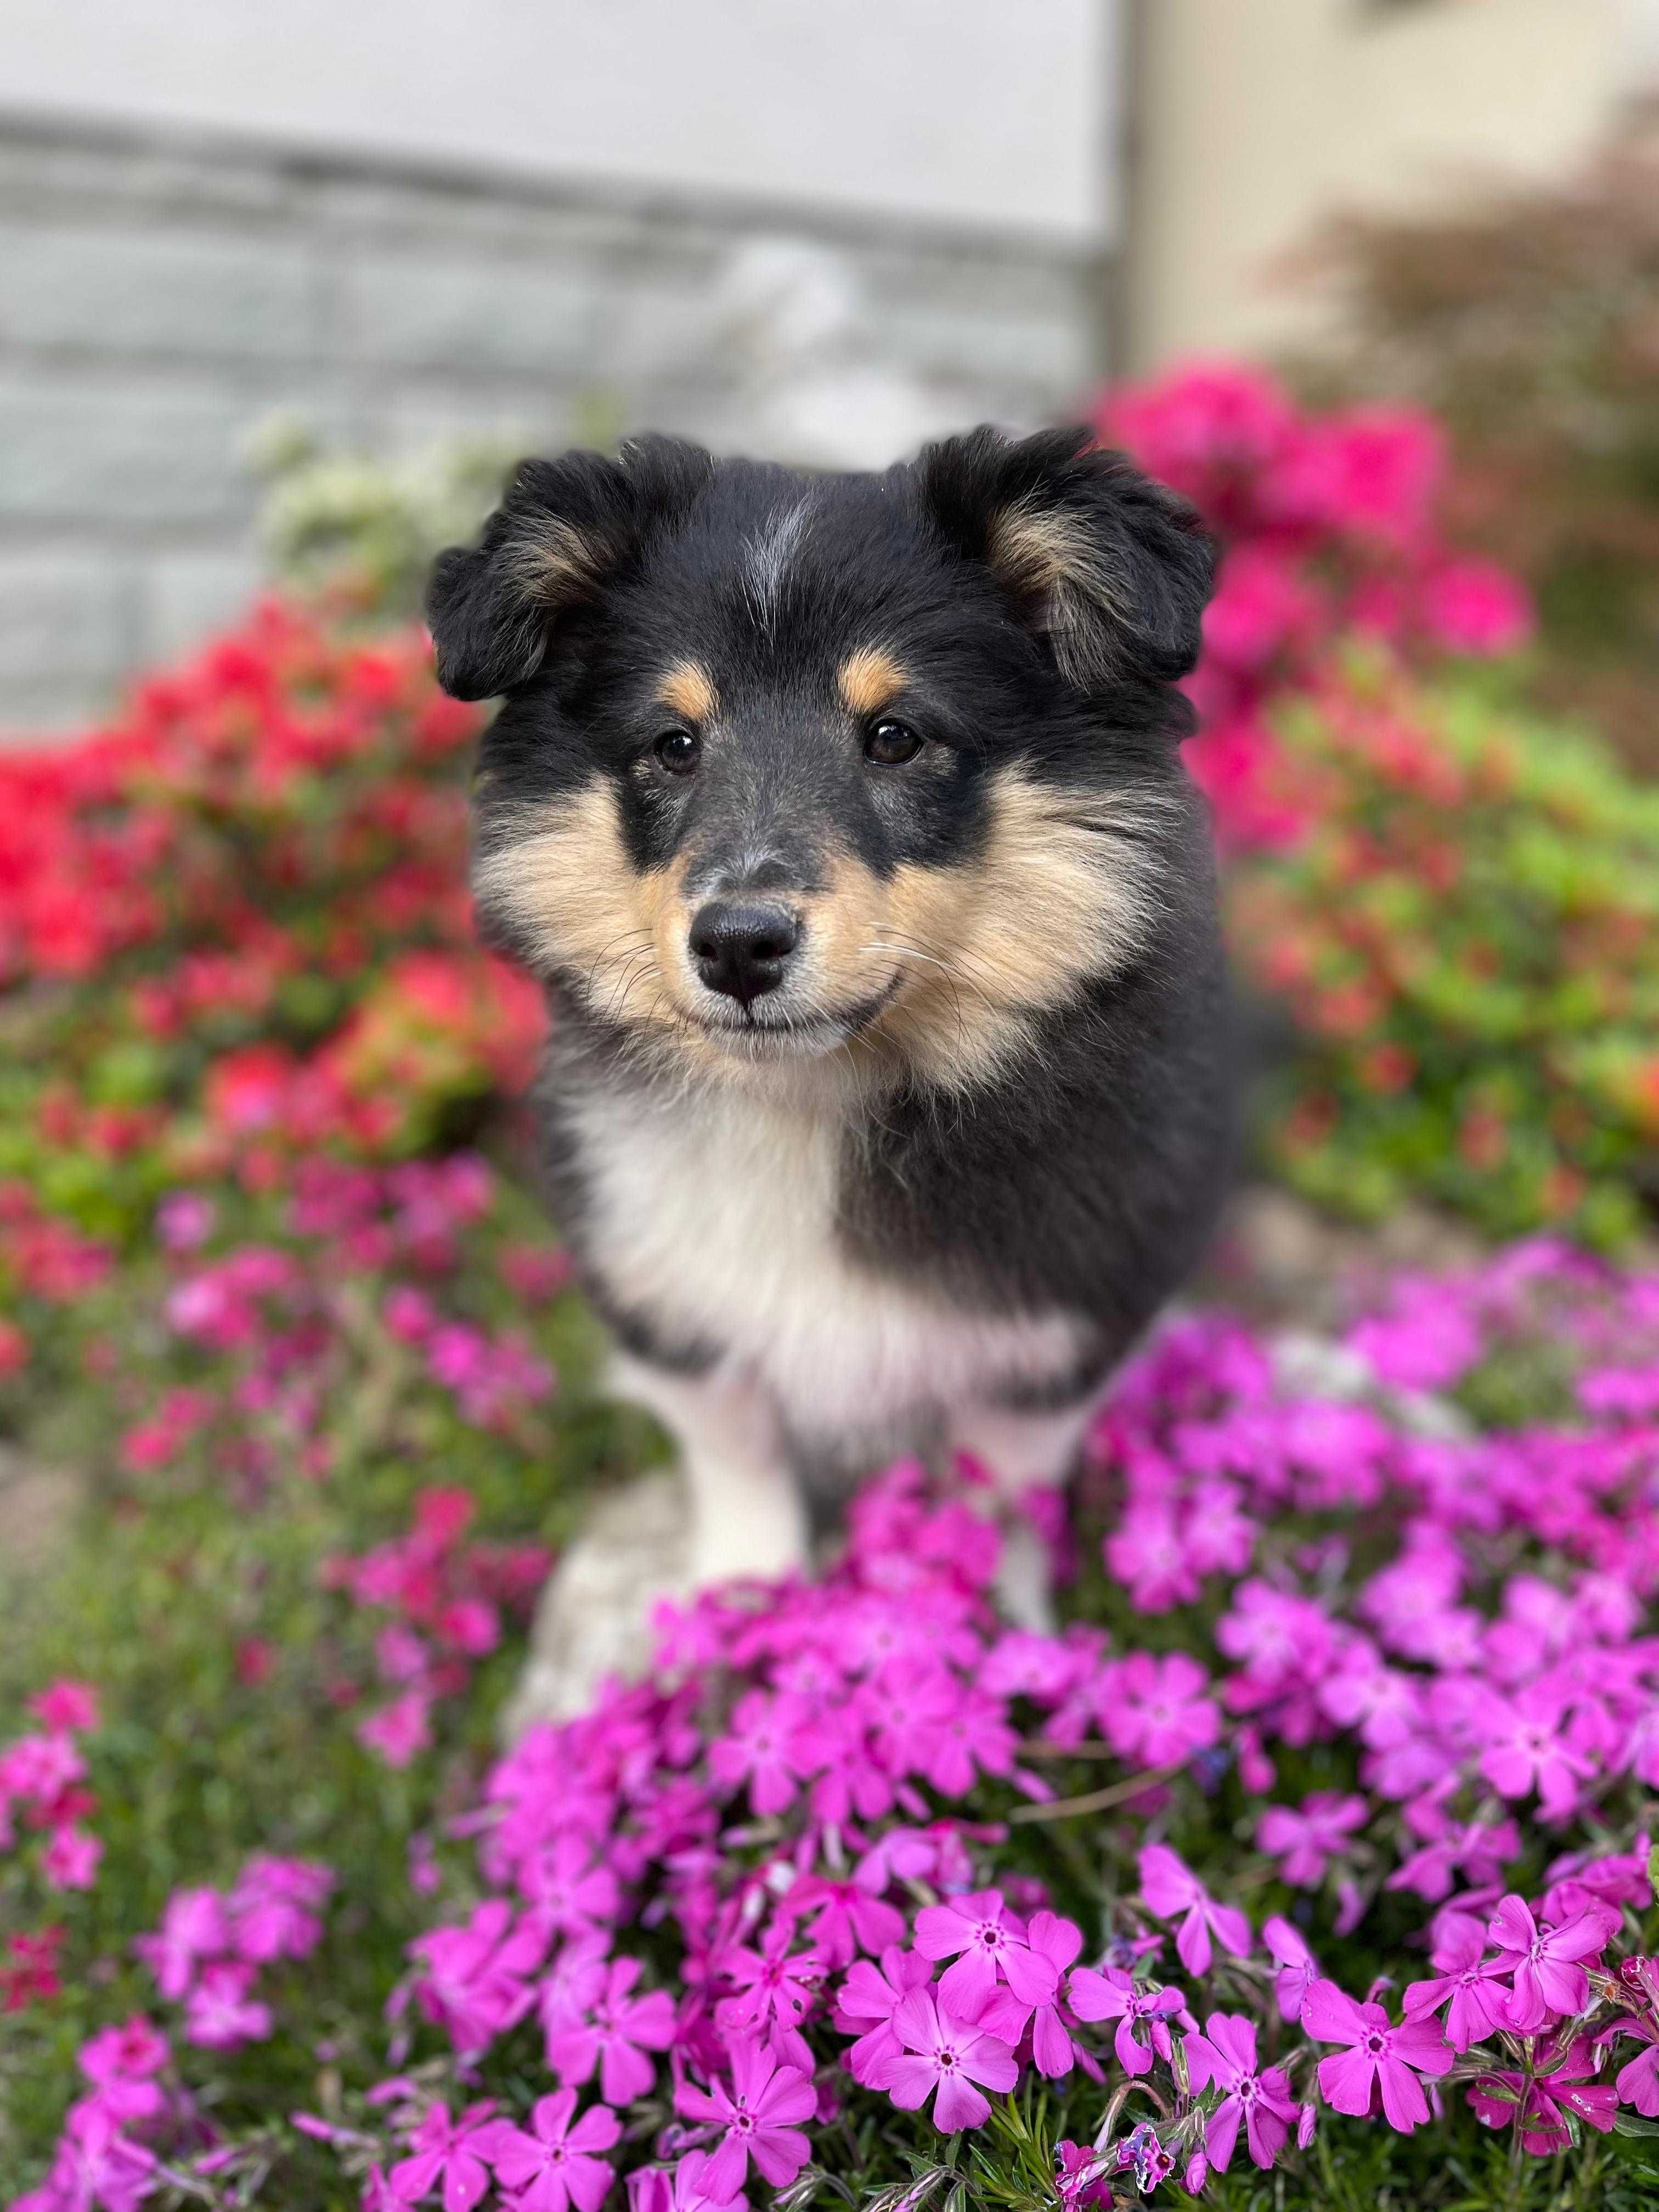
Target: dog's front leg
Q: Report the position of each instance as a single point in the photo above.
(1024, 1447)
(747, 1516)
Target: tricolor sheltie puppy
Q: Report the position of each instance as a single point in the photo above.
(888, 1092)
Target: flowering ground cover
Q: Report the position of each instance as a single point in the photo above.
(1310, 1855)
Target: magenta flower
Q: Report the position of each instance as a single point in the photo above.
(474, 1982)
(873, 1994)
(1224, 2058)
(1108, 1993)
(576, 1891)
(760, 1749)
(1382, 2063)
(774, 1983)
(1548, 1979)
(1169, 1888)
(71, 1858)
(985, 1940)
(97, 2164)
(762, 2112)
(1157, 1711)
(1637, 2081)
(1304, 1841)
(943, 2058)
(194, 1928)
(1478, 2007)
(1298, 1968)
(846, 1917)
(554, 2165)
(1007, 2017)
(67, 1706)
(1527, 1748)
(444, 2155)
(220, 2013)
(1546, 2109)
(607, 2026)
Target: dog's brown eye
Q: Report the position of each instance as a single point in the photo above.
(678, 751)
(891, 742)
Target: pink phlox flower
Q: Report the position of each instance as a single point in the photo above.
(66, 1707)
(986, 1942)
(474, 1981)
(773, 1983)
(400, 1730)
(867, 1999)
(97, 2164)
(1546, 2108)
(763, 1749)
(219, 2014)
(130, 2052)
(194, 1928)
(554, 2163)
(1549, 1981)
(1297, 1969)
(968, 1735)
(273, 1909)
(1638, 2080)
(848, 1918)
(571, 1885)
(1382, 2063)
(1007, 2017)
(1157, 1710)
(944, 2058)
(1225, 2058)
(605, 2025)
(444, 2155)
(1169, 1888)
(760, 2112)
(1080, 2176)
(1477, 2005)
(686, 2189)
(1480, 1851)
(71, 1856)
(1109, 1993)
(1304, 1840)
(1525, 1748)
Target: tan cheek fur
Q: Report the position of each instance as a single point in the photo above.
(1058, 894)
(570, 899)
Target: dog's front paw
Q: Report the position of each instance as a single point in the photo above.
(594, 1616)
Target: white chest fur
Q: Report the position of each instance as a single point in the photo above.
(713, 1215)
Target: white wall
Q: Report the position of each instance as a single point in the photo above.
(969, 111)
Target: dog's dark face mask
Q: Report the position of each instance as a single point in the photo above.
(874, 766)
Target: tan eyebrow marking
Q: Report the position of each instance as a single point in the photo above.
(869, 680)
(687, 688)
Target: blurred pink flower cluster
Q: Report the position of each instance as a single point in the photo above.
(1330, 525)
(44, 1794)
(445, 1598)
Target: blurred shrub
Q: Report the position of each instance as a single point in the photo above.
(1331, 524)
(1529, 323)
(1464, 937)
(236, 926)
(363, 531)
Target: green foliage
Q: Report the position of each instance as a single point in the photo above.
(1464, 938)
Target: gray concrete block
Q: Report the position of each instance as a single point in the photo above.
(123, 453)
(116, 290)
(490, 314)
(183, 596)
(62, 622)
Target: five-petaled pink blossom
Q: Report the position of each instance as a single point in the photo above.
(605, 2025)
(554, 2163)
(943, 2054)
(1548, 1979)
(1381, 2062)
(985, 1940)
(445, 2155)
(1108, 1993)
(1224, 2058)
(762, 2112)
(1169, 1888)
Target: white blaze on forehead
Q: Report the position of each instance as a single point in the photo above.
(768, 558)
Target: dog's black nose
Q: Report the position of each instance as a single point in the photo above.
(741, 945)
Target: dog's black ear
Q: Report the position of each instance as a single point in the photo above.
(1112, 568)
(563, 530)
